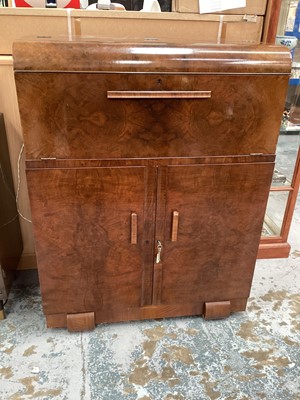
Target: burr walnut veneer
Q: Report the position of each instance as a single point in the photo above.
(149, 167)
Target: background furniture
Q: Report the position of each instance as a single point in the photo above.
(10, 234)
(285, 184)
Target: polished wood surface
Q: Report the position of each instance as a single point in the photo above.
(131, 162)
(148, 312)
(153, 207)
(86, 227)
(273, 250)
(216, 310)
(92, 234)
(80, 322)
(220, 207)
(73, 118)
(128, 56)
(271, 21)
(18, 23)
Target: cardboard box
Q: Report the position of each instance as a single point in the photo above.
(254, 7)
(18, 23)
(42, 3)
(169, 27)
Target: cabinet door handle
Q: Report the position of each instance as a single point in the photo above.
(175, 219)
(158, 94)
(133, 238)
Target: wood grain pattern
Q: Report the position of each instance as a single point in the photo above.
(271, 21)
(148, 234)
(216, 310)
(76, 120)
(96, 164)
(140, 313)
(180, 284)
(139, 56)
(81, 322)
(153, 162)
(85, 258)
(160, 217)
(220, 207)
(273, 250)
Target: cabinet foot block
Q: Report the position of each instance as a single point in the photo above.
(216, 310)
(81, 322)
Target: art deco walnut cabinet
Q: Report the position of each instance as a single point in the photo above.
(149, 167)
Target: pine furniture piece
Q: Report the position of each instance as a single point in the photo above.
(149, 167)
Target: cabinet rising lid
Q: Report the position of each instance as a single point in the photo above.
(93, 55)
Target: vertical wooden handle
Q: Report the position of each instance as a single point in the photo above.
(174, 232)
(133, 238)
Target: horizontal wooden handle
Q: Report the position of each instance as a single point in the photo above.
(133, 238)
(174, 233)
(158, 94)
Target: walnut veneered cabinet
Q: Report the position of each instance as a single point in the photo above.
(149, 167)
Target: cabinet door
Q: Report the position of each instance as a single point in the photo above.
(89, 256)
(219, 210)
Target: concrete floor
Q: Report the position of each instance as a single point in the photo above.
(251, 355)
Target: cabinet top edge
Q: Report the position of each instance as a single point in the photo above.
(95, 55)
